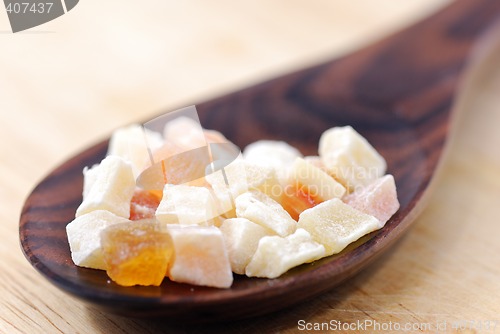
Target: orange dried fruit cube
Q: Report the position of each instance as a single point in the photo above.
(171, 166)
(136, 253)
(144, 204)
(308, 186)
(295, 200)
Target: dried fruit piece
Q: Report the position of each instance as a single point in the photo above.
(335, 224)
(131, 143)
(314, 181)
(180, 186)
(174, 166)
(378, 199)
(276, 255)
(187, 134)
(144, 204)
(241, 237)
(350, 158)
(183, 158)
(308, 186)
(186, 205)
(239, 177)
(294, 200)
(200, 256)
(112, 188)
(136, 253)
(89, 177)
(270, 153)
(263, 210)
(315, 161)
(85, 240)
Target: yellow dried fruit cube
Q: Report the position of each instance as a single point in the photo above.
(136, 253)
(335, 224)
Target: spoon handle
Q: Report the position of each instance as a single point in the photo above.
(407, 75)
(399, 93)
(428, 56)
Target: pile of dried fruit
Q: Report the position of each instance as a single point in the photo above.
(269, 210)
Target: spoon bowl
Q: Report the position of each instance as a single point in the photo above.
(399, 93)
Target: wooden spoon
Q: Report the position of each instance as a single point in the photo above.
(399, 93)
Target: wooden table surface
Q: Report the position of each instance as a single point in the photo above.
(68, 83)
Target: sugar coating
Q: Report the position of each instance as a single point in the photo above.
(200, 257)
(84, 236)
(239, 177)
(378, 199)
(186, 133)
(350, 158)
(241, 237)
(131, 143)
(271, 153)
(112, 188)
(335, 224)
(315, 161)
(263, 210)
(183, 204)
(275, 255)
(89, 178)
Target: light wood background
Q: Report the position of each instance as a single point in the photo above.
(68, 83)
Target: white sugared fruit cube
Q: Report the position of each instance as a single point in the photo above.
(241, 237)
(315, 160)
(200, 257)
(314, 181)
(350, 158)
(89, 177)
(131, 143)
(263, 210)
(276, 255)
(112, 188)
(378, 199)
(241, 177)
(85, 240)
(186, 205)
(335, 224)
(270, 153)
(187, 133)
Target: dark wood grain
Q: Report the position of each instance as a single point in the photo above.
(399, 93)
